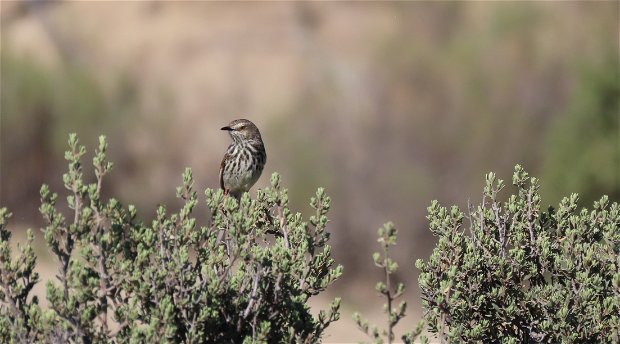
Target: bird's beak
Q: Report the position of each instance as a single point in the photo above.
(226, 128)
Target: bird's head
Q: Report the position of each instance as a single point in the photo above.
(243, 130)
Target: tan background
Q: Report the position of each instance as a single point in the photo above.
(387, 104)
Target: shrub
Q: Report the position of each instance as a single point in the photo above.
(246, 276)
(509, 272)
(503, 271)
(19, 317)
(387, 238)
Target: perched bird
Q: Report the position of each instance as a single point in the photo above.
(244, 160)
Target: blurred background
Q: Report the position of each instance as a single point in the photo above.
(388, 105)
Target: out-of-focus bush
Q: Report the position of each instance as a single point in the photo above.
(47, 103)
(583, 153)
(39, 106)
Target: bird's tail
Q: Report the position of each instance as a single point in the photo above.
(237, 195)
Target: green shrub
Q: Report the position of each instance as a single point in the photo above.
(19, 317)
(246, 276)
(509, 272)
(391, 292)
(503, 271)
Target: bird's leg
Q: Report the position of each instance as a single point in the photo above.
(226, 192)
(271, 226)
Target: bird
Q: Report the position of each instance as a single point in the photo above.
(244, 160)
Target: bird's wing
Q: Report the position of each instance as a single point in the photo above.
(222, 166)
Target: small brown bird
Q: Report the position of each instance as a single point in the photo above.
(244, 160)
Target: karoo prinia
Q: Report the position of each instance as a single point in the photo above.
(244, 160)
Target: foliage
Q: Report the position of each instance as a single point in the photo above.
(503, 271)
(18, 316)
(516, 274)
(246, 276)
(387, 238)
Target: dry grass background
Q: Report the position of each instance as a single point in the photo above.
(387, 104)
